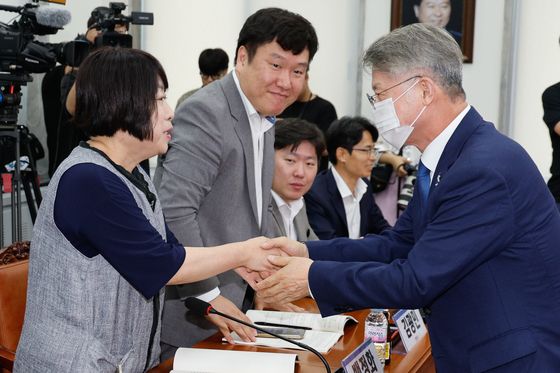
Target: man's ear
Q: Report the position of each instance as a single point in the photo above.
(341, 154)
(242, 56)
(428, 87)
(416, 11)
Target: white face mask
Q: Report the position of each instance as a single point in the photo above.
(387, 122)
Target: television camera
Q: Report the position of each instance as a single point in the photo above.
(107, 18)
(21, 55)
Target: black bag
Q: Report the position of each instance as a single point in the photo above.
(8, 147)
(380, 176)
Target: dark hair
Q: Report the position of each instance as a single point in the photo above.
(293, 32)
(346, 132)
(293, 131)
(212, 61)
(116, 90)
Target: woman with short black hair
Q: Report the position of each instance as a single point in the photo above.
(101, 252)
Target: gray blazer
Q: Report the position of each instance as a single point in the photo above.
(206, 184)
(301, 224)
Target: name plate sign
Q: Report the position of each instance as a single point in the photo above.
(411, 327)
(363, 359)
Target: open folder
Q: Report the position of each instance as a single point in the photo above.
(323, 334)
(197, 360)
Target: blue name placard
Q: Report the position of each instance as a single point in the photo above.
(362, 360)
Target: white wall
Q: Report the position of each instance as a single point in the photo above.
(481, 79)
(538, 68)
(183, 29)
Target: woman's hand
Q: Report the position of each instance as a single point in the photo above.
(256, 257)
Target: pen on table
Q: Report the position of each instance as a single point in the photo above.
(263, 323)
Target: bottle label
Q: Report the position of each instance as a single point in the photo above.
(377, 334)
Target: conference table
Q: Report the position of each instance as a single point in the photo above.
(418, 360)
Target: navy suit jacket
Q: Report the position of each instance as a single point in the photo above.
(483, 254)
(325, 209)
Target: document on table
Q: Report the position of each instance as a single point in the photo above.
(197, 360)
(326, 331)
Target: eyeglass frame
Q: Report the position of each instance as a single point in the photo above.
(370, 151)
(375, 98)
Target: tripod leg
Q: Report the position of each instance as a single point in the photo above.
(16, 208)
(27, 181)
(33, 179)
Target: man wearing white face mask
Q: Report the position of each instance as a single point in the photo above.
(385, 117)
(477, 247)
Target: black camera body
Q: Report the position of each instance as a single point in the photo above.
(409, 168)
(21, 55)
(107, 18)
(407, 189)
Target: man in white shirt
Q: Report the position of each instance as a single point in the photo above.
(215, 181)
(340, 202)
(298, 147)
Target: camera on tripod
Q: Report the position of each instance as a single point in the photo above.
(21, 55)
(107, 18)
(407, 189)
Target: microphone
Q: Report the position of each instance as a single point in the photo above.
(8, 8)
(44, 16)
(53, 17)
(203, 308)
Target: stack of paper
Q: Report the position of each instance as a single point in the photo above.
(195, 360)
(324, 333)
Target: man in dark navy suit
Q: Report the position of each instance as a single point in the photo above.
(340, 202)
(478, 246)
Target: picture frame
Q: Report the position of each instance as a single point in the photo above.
(459, 21)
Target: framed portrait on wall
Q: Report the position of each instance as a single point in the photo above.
(456, 16)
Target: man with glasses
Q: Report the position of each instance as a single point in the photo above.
(340, 202)
(477, 247)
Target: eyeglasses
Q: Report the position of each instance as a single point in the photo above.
(375, 98)
(370, 151)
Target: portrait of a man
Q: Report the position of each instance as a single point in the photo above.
(437, 13)
(455, 16)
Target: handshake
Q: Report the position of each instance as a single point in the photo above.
(276, 269)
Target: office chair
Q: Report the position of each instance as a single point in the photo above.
(13, 292)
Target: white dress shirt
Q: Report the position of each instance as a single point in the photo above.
(434, 150)
(259, 125)
(288, 212)
(351, 202)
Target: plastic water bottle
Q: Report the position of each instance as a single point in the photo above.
(376, 327)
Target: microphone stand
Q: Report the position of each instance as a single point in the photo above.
(205, 308)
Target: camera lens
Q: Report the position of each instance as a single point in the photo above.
(406, 191)
(409, 168)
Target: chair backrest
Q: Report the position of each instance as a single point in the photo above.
(13, 293)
